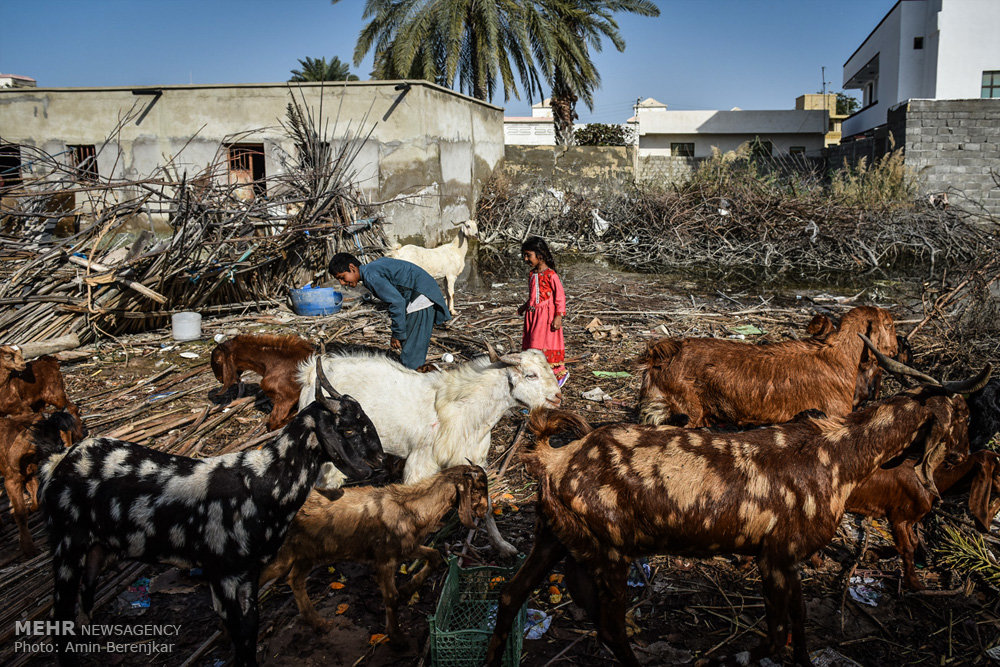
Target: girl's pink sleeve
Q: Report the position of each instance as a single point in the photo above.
(558, 295)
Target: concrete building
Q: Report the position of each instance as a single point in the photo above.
(925, 49)
(534, 130)
(429, 143)
(829, 103)
(661, 132)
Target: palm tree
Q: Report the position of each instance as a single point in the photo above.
(578, 25)
(320, 70)
(481, 44)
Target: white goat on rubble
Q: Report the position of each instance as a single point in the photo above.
(445, 261)
(439, 419)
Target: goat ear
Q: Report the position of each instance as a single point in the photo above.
(464, 491)
(979, 495)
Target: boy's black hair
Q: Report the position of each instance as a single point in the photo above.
(537, 245)
(342, 262)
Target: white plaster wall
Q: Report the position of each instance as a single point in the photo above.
(917, 19)
(970, 44)
(530, 134)
(883, 42)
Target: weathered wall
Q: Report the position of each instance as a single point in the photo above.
(575, 168)
(427, 142)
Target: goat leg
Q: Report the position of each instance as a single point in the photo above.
(235, 598)
(385, 575)
(583, 589)
(66, 567)
(297, 580)
(502, 546)
(432, 561)
(15, 493)
(905, 536)
(546, 552)
(612, 590)
(93, 564)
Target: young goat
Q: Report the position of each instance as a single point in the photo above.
(705, 381)
(776, 493)
(29, 387)
(275, 358)
(227, 515)
(19, 462)
(445, 261)
(379, 525)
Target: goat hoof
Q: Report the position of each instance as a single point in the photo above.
(29, 550)
(506, 550)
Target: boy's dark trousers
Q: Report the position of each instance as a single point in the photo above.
(418, 337)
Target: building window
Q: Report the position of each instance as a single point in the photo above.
(84, 161)
(246, 169)
(10, 165)
(682, 149)
(991, 85)
(795, 150)
(918, 42)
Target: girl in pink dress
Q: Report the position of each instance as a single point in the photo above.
(543, 311)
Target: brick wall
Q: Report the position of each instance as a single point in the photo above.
(666, 169)
(951, 145)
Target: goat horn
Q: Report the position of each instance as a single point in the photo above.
(494, 357)
(324, 383)
(897, 367)
(967, 386)
(971, 385)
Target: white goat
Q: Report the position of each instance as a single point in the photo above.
(440, 419)
(446, 261)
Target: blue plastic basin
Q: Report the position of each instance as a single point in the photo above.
(313, 301)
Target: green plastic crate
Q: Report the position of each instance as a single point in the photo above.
(466, 613)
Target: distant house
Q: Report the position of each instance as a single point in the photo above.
(925, 49)
(534, 130)
(16, 81)
(661, 132)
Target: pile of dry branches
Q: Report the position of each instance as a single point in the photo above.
(736, 212)
(139, 250)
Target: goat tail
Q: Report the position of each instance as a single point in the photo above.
(306, 375)
(545, 423)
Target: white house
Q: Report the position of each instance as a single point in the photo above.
(534, 130)
(925, 49)
(695, 133)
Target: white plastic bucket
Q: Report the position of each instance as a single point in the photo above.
(186, 326)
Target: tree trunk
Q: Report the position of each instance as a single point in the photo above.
(563, 103)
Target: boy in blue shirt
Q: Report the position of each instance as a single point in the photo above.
(415, 300)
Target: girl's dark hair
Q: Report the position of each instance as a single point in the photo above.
(537, 245)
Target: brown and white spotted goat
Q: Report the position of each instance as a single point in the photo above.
(379, 525)
(227, 515)
(777, 493)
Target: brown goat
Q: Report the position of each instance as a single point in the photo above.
(898, 495)
(379, 525)
(697, 382)
(275, 359)
(19, 466)
(777, 493)
(29, 387)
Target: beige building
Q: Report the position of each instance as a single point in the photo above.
(828, 102)
(415, 139)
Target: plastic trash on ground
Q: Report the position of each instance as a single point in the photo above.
(865, 590)
(596, 394)
(635, 577)
(612, 374)
(536, 624)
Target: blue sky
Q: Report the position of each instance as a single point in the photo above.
(699, 54)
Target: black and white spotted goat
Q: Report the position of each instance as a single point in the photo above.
(228, 515)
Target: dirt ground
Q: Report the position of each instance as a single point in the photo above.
(688, 609)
